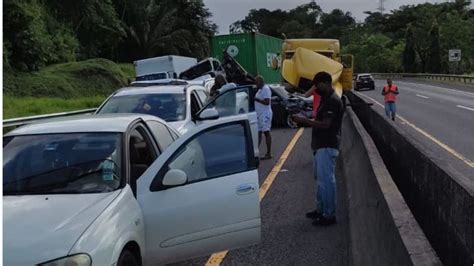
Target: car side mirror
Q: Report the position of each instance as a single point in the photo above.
(209, 114)
(175, 177)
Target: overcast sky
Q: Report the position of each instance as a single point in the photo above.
(226, 12)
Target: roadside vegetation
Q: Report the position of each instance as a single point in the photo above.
(72, 50)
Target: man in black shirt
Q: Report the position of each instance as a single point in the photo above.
(325, 142)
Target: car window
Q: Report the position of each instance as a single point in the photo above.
(202, 96)
(195, 106)
(141, 151)
(168, 106)
(215, 64)
(232, 102)
(62, 163)
(161, 133)
(218, 152)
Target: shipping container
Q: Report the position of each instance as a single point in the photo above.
(259, 54)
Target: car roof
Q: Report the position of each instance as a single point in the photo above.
(84, 123)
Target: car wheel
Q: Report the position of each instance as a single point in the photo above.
(127, 258)
(372, 88)
(290, 123)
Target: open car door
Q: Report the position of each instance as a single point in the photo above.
(201, 195)
(235, 102)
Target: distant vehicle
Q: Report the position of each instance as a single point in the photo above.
(163, 67)
(285, 104)
(209, 66)
(180, 102)
(364, 81)
(120, 190)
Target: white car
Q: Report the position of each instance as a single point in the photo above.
(180, 102)
(128, 190)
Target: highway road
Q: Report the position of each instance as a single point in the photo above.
(437, 115)
(288, 237)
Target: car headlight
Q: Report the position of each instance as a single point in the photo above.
(74, 260)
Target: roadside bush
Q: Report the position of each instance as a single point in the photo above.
(76, 79)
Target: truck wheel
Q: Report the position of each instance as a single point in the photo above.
(127, 258)
(290, 123)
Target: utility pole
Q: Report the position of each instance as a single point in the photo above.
(381, 7)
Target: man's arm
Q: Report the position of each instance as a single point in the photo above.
(265, 101)
(383, 91)
(396, 90)
(309, 92)
(326, 123)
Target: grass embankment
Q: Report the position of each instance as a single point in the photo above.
(62, 87)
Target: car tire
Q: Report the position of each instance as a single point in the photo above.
(127, 258)
(290, 123)
(372, 88)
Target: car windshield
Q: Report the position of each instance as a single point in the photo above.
(168, 106)
(62, 163)
(154, 76)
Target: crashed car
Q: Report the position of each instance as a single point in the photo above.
(120, 190)
(285, 104)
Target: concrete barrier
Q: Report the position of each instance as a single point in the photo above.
(441, 199)
(383, 230)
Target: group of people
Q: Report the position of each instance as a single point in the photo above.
(326, 136)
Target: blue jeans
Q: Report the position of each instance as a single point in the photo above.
(324, 173)
(390, 107)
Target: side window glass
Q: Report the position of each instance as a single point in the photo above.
(232, 102)
(204, 157)
(161, 133)
(215, 64)
(194, 104)
(202, 95)
(141, 152)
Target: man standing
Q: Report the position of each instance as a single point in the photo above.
(264, 114)
(390, 92)
(326, 137)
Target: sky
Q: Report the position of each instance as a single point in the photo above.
(226, 12)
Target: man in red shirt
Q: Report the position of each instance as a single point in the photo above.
(390, 92)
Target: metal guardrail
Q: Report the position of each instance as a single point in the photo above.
(15, 122)
(435, 77)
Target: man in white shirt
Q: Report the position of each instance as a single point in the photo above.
(264, 114)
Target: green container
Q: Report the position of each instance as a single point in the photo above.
(259, 54)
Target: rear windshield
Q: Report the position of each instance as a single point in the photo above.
(62, 163)
(365, 77)
(152, 77)
(170, 107)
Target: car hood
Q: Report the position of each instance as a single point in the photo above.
(39, 228)
(181, 126)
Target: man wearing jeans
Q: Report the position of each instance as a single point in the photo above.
(326, 137)
(390, 92)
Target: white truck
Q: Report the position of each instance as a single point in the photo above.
(163, 67)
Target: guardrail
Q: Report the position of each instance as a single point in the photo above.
(435, 77)
(15, 122)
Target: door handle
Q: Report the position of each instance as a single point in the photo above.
(245, 189)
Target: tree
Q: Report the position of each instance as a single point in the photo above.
(409, 54)
(335, 24)
(434, 59)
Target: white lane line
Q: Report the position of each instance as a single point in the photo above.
(427, 135)
(464, 107)
(423, 96)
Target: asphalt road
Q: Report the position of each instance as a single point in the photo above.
(439, 116)
(288, 237)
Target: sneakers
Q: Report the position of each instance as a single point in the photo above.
(313, 215)
(324, 221)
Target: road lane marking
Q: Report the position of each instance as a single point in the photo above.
(217, 258)
(464, 107)
(429, 136)
(423, 96)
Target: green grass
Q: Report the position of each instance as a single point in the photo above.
(70, 80)
(62, 87)
(28, 106)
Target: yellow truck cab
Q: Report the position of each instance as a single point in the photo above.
(303, 58)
